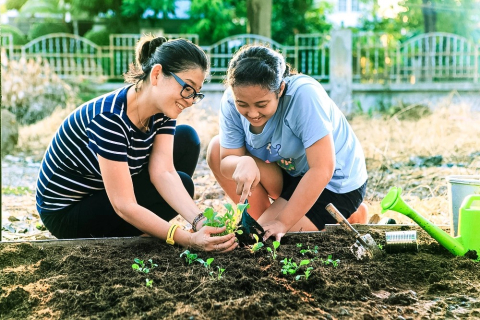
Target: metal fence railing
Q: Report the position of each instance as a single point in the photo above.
(376, 57)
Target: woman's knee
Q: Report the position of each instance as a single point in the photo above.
(187, 134)
(187, 183)
(213, 154)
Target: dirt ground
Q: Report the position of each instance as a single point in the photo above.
(94, 279)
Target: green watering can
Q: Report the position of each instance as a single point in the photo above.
(469, 225)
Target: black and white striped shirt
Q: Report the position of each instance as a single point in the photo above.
(70, 169)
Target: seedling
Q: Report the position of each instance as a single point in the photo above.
(230, 219)
(207, 263)
(312, 251)
(256, 246)
(141, 266)
(148, 283)
(220, 272)
(306, 274)
(190, 257)
(273, 251)
(290, 267)
(380, 246)
(330, 261)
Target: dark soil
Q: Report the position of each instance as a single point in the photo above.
(94, 279)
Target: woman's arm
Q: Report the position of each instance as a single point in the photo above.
(321, 162)
(119, 188)
(166, 180)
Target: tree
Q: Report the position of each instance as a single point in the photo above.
(259, 14)
(422, 16)
(290, 17)
(214, 20)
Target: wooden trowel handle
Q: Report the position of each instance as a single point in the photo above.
(340, 218)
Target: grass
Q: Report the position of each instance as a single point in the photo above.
(389, 142)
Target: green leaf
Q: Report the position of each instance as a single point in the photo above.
(304, 262)
(135, 266)
(276, 244)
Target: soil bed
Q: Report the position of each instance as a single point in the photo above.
(94, 279)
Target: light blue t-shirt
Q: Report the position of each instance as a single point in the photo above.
(305, 115)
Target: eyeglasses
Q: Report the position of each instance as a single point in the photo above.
(188, 91)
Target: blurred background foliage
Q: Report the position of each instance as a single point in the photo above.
(214, 20)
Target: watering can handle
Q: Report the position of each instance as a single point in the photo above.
(467, 202)
(340, 218)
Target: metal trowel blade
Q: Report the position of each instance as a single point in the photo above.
(249, 227)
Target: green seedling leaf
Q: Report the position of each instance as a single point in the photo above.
(148, 283)
(135, 266)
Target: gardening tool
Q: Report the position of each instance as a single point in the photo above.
(401, 241)
(364, 247)
(249, 227)
(469, 224)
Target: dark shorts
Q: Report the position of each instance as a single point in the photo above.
(346, 203)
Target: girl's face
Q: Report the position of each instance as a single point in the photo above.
(170, 91)
(256, 104)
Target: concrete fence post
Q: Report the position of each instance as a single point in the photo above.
(341, 69)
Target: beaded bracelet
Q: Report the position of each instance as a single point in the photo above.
(197, 219)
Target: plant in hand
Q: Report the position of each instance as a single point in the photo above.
(290, 267)
(141, 266)
(273, 251)
(230, 219)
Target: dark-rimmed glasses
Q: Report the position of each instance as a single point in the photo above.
(188, 91)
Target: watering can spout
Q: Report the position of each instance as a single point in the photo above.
(393, 201)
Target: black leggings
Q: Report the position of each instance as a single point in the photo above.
(95, 217)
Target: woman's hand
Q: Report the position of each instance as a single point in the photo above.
(274, 228)
(202, 240)
(246, 176)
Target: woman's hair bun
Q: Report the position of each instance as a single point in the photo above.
(146, 48)
(154, 44)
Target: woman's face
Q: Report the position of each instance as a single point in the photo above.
(256, 104)
(168, 90)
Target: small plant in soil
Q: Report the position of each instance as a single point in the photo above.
(308, 250)
(189, 257)
(148, 283)
(230, 219)
(290, 267)
(257, 245)
(306, 275)
(273, 250)
(141, 266)
(329, 260)
(219, 273)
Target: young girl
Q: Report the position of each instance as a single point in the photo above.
(282, 139)
(119, 166)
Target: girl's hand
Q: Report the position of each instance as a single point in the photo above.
(246, 176)
(202, 240)
(274, 228)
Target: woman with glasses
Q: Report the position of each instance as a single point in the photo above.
(119, 166)
(284, 144)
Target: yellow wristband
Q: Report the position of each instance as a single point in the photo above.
(170, 234)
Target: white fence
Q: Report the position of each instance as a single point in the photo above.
(376, 58)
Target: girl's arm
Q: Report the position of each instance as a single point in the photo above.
(321, 162)
(236, 165)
